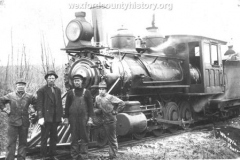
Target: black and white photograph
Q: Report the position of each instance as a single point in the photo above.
(119, 80)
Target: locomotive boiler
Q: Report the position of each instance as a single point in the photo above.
(168, 82)
(136, 77)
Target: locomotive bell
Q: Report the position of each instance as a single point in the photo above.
(79, 32)
(123, 40)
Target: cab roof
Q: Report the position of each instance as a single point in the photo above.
(191, 38)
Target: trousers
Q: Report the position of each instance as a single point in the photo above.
(80, 139)
(78, 117)
(110, 129)
(12, 134)
(49, 130)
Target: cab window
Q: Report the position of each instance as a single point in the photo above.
(210, 53)
(214, 55)
(206, 51)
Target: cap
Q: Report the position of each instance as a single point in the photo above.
(102, 84)
(21, 81)
(77, 76)
(51, 72)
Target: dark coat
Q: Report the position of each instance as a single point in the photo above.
(19, 106)
(45, 104)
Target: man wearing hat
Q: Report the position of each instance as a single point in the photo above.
(18, 119)
(107, 112)
(79, 112)
(50, 113)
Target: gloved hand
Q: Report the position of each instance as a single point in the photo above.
(66, 122)
(114, 112)
(41, 121)
(6, 110)
(90, 122)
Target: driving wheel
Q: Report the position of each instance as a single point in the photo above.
(186, 113)
(172, 114)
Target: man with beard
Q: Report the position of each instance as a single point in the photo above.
(50, 113)
(107, 112)
(79, 112)
(18, 119)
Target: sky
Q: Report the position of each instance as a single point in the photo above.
(29, 21)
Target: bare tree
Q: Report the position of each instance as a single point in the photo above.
(63, 35)
(44, 57)
(48, 61)
(12, 54)
(6, 74)
(62, 30)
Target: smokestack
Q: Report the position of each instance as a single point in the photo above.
(100, 36)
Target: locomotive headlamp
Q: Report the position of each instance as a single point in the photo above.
(73, 31)
(79, 32)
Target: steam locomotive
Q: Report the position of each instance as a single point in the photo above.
(167, 82)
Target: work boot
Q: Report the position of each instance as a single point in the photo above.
(76, 158)
(54, 158)
(83, 148)
(83, 157)
(112, 156)
(112, 153)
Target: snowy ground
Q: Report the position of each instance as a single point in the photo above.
(194, 145)
(191, 145)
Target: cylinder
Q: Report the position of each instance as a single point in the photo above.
(131, 123)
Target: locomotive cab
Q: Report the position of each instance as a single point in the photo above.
(212, 66)
(205, 64)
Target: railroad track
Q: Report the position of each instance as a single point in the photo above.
(64, 153)
(64, 150)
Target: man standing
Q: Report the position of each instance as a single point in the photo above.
(18, 119)
(107, 112)
(50, 113)
(78, 112)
